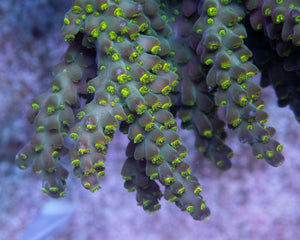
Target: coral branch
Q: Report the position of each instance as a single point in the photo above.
(139, 64)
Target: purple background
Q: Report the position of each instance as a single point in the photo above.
(251, 201)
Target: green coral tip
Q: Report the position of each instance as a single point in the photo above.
(53, 189)
(91, 89)
(95, 188)
(89, 8)
(69, 37)
(40, 129)
(155, 49)
(80, 115)
(95, 33)
(208, 61)
(111, 89)
(279, 18)
(66, 21)
(173, 199)
(103, 26)
(82, 151)
(270, 154)
(126, 178)
(119, 118)
(138, 138)
(51, 109)
(44, 190)
(166, 105)
(35, 106)
(134, 36)
(101, 174)
(266, 139)
(62, 194)
(54, 154)
(149, 127)
(156, 207)
(212, 11)
(109, 129)
(220, 164)
(146, 203)
(112, 35)
(250, 74)
(143, 27)
(176, 161)
(160, 141)
(23, 156)
(169, 180)
(236, 122)
(154, 176)
(210, 21)
(99, 164)
(225, 65)
(55, 88)
(116, 57)
(125, 92)
(207, 133)
(225, 2)
(119, 13)
(75, 163)
(158, 159)
(190, 209)
(183, 155)
(76, 9)
(197, 191)
(226, 84)
(132, 189)
(102, 102)
(243, 58)
(74, 136)
(176, 144)
(130, 118)
(143, 90)
(166, 90)
(181, 191)
(169, 123)
(89, 172)
(38, 148)
(279, 148)
(104, 6)
(91, 127)
(141, 109)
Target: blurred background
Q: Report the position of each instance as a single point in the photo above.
(251, 201)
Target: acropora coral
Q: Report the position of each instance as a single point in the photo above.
(138, 65)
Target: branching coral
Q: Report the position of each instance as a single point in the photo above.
(142, 63)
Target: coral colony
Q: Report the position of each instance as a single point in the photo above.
(137, 65)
